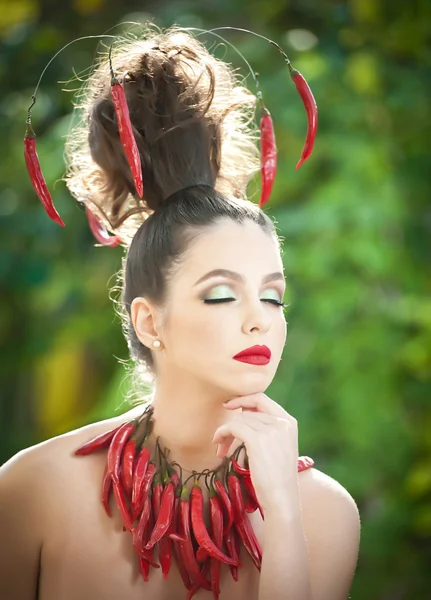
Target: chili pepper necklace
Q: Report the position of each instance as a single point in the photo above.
(165, 519)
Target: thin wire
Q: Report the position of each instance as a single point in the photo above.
(203, 31)
(87, 37)
(258, 35)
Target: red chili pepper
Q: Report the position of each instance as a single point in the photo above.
(240, 470)
(121, 501)
(36, 176)
(201, 555)
(106, 490)
(116, 448)
(232, 544)
(186, 546)
(311, 108)
(224, 496)
(241, 522)
(139, 474)
(199, 529)
(144, 567)
(254, 502)
(196, 587)
(99, 230)
(140, 531)
(128, 461)
(163, 513)
(180, 564)
(165, 556)
(250, 505)
(177, 551)
(146, 486)
(304, 462)
(100, 442)
(157, 490)
(268, 155)
(216, 518)
(126, 133)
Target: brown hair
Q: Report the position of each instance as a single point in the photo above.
(194, 124)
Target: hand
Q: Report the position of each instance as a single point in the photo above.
(270, 436)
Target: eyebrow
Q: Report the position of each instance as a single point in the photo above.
(278, 276)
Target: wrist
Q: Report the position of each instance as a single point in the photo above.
(284, 506)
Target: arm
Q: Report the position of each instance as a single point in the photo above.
(285, 573)
(332, 529)
(20, 527)
(311, 546)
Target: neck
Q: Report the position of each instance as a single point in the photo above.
(185, 419)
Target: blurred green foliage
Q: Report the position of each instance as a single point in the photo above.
(355, 218)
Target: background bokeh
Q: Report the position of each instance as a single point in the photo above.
(356, 219)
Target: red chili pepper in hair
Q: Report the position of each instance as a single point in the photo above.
(36, 176)
(118, 442)
(224, 496)
(125, 130)
(311, 108)
(99, 230)
(100, 442)
(268, 155)
(199, 529)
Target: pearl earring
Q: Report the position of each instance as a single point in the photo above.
(157, 343)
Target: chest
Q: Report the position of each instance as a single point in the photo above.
(88, 556)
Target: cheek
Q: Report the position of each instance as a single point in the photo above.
(199, 328)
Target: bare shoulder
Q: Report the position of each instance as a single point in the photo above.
(331, 523)
(38, 469)
(322, 492)
(41, 486)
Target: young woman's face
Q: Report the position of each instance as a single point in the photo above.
(200, 336)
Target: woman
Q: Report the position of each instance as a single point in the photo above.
(202, 283)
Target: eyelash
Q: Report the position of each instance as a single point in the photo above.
(220, 300)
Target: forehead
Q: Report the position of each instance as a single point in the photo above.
(242, 247)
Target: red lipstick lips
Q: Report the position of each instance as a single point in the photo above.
(256, 355)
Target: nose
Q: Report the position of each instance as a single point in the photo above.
(257, 317)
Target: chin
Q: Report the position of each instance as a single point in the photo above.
(251, 383)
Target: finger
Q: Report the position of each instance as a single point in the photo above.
(257, 402)
(240, 430)
(257, 421)
(224, 447)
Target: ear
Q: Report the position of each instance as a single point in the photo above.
(143, 314)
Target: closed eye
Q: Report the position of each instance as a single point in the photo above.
(269, 300)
